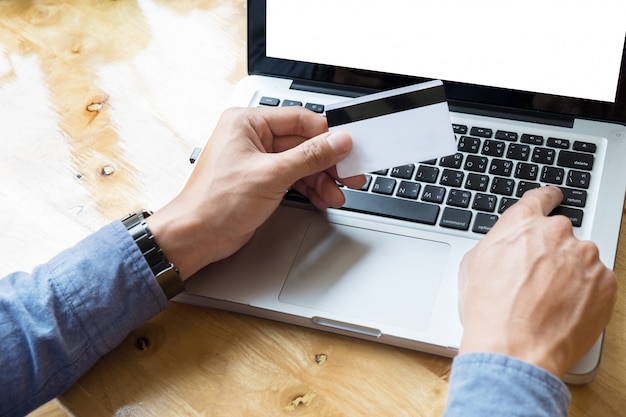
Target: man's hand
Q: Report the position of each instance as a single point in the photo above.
(250, 160)
(531, 290)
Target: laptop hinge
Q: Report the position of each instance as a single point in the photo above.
(331, 89)
(551, 119)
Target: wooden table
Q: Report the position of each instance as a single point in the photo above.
(101, 103)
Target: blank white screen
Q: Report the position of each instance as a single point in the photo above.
(569, 48)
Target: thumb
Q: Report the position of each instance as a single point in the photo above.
(315, 155)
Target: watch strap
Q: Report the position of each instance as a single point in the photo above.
(164, 271)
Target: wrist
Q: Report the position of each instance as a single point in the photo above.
(529, 351)
(187, 243)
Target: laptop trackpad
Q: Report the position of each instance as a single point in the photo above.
(356, 272)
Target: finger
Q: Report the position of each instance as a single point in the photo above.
(356, 182)
(313, 197)
(544, 199)
(314, 155)
(291, 121)
(324, 187)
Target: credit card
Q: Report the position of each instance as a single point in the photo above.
(392, 128)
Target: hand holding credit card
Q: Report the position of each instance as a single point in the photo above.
(391, 128)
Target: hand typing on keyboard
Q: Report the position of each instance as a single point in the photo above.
(530, 289)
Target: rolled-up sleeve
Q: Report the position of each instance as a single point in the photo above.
(483, 384)
(56, 322)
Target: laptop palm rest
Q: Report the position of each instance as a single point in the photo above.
(329, 271)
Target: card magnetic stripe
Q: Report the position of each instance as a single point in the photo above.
(385, 106)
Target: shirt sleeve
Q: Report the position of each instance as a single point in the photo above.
(56, 322)
(484, 384)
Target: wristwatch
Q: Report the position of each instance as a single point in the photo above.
(164, 271)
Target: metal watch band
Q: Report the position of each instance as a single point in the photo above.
(164, 271)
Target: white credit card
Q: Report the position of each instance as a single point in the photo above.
(392, 128)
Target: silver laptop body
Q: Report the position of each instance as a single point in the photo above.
(384, 276)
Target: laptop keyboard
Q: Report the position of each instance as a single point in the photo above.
(469, 190)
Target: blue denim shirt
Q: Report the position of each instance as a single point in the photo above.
(483, 384)
(56, 322)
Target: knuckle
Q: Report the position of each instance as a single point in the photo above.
(233, 113)
(313, 155)
(590, 251)
(590, 247)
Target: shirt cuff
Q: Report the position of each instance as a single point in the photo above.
(108, 286)
(485, 384)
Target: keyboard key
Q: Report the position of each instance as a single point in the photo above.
(543, 156)
(502, 186)
(532, 139)
(493, 148)
(293, 195)
(577, 160)
(574, 215)
(482, 132)
(552, 175)
(504, 135)
(484, 202)
(317, 108)
(524, 186)
(484, 222)
(459, 129)
(452, 161)
(518, 152)
(558, 143)
(433, 194)
(381, 172)
(526, 171)
(384, 185)
(405, 171)
(451, 178)
(501, 167)
(408, 189)
(476, 163)
(468, 144)
(291, 103)
(269, 101)
(477, 182)
(578, 179)
(584, 146)
(505, 203)
(427, 174)
(574, 197)
(454, 218)
(398, 208)
(459, 198)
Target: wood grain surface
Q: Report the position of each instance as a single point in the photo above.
(101, 104)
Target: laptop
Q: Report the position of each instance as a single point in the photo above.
(534, 100)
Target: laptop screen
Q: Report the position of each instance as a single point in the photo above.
(559, 56)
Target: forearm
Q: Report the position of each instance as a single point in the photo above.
(484, 384)
(58, 321)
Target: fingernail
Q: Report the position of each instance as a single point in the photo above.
(340, 142)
